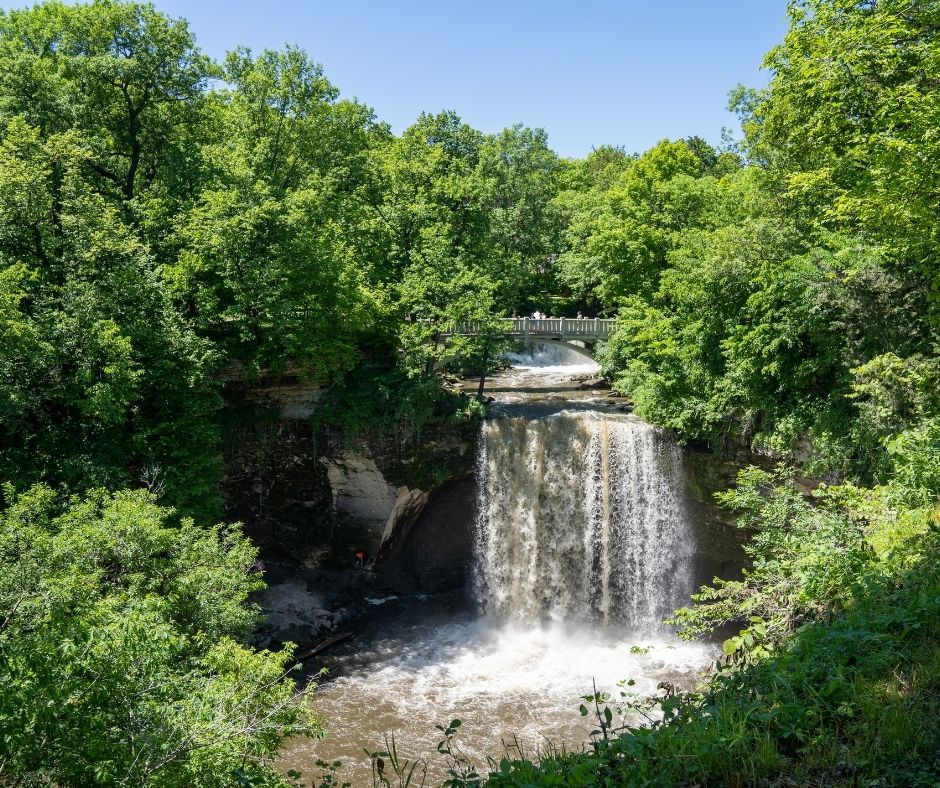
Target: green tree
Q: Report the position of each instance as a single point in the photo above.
(848, 122)
(129, 81)
(448, 213)
(102, 378)
(269, 266)
(521, 177)
(619, 238)
(119, 649)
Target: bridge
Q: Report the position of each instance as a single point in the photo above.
(576, 334)
(560, 329)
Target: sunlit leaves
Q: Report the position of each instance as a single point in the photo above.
(117, 655)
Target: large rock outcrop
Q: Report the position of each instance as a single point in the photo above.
(362, 503)
(408, 507)
(434, 553)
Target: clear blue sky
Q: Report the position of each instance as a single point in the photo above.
(590, 72)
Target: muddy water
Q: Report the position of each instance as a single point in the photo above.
(421, 663)
(585, 541)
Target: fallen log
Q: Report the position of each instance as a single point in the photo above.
(322, 646)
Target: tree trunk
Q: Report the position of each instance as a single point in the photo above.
(483, 368)
(322, 646)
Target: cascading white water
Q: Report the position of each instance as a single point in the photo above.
(544, 358)
(581, 518)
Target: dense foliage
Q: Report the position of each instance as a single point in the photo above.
(169, 224)
(120, 659)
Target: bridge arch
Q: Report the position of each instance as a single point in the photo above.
(582, 349)
(576, 334)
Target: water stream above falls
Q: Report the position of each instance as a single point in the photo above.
(585, 542)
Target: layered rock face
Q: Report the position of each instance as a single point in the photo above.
(362, 503)
(314, 496)
(311, 500)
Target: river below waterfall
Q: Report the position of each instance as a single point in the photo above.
(585, 542)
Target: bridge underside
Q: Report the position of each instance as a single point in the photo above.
(579, 346)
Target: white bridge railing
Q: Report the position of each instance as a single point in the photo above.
(549, 327)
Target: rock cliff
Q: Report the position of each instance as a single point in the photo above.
(311, 498)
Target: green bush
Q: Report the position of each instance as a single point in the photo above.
(121, 660)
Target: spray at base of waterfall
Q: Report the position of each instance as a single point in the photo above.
(505, 683)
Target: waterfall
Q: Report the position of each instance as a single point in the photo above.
(581, 518)
(583, 546)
